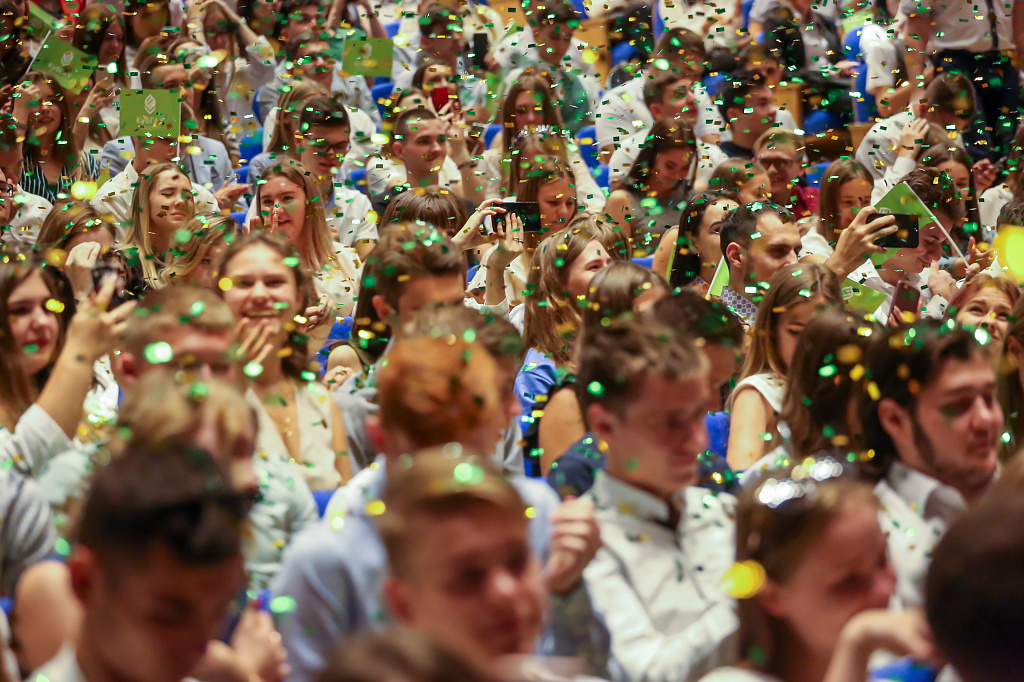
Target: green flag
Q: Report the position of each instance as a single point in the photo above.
(156, 112)
(68, 65)
(860, 297)
(903, 199)
(720, 280)
(368, 56)
(39, 21)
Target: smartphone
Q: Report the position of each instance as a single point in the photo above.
(528, 212)
(480, 47)
(441, 96)
(111, 265)
(907, 234)
(906, 299)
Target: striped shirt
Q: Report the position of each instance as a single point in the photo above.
(33, 179)
(27, 532)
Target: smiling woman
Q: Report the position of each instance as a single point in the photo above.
(161, 205)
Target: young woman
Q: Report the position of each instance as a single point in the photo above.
(528, 146)
(74, 236)
(986, 302)
(821, 388)
(52, 154)
(267, 287)
(288, 203)
(618, 291)
(648, 203)
(284, 128)
(845, 235)
(743, 176)
(688, 254)
(99, 32)
(196, 260)
(47, 353)
(562, 268)
(161, 205)
(813, 580)
(796, 294)
(144, 20)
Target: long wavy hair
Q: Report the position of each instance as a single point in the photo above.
(664, 135)
(533, 81)
(687, 263)
(289, 106)
(67, 147)
(314, 245)
(207, 230)
(70, 219)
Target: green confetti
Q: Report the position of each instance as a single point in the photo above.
(158, 353)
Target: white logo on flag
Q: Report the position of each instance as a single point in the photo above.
(67, 58)
(150, 104)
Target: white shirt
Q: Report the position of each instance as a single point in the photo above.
(351, 217)
(916, 512)
(115, 197)
(715, 19)
(991, 203)
(964, 24)
(877, 151)
(519, 49)
(734, 674)
(28, 221)
(658, 588)
(382, 173)
(708, 158)
(879, 50)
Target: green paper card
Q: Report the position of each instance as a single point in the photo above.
(68, 65)
(720, 280)
(860, 297)
(368, 56)
(152, 112)
(40, 22)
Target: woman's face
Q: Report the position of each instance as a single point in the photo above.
(791, 325)
(557, 203)
(961, 176)
(96, 235)
(49, 116)
(854, 195)
(593, 259)
(844, 572)
(989, 309)
(34, 328)
(266, 11)
(708, 241)
(283, 207)
(170, 202)
(437, 76)
(758, 188)
(149, 18)
(671, 166)
(206, 270)
(113, 43)
(415, 101)
(217, 29)
(263, 289)
(528, 110)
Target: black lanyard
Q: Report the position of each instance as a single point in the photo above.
(993, 25)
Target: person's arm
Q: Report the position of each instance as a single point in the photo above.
(665, 253)
(892, 101)
(46, 613)
(340, 443)
(751, 417)
(904, 633)
(101, 94)
(619, 211)
(918, 32)
(561, 426)
(472, 187)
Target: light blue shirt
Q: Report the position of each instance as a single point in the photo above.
(335, 572)
(211, 168)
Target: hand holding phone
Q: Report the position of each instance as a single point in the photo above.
(906, 300)
(527, 211)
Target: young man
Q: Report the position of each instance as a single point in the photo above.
(747, 106)
(421, 146)
(975, 591)
(949, 102)
(210, 168)
(669, 97)
(757, 240)
(666, 543)
(932, 424)
(157, 562)
(780, 151)
(432, 391)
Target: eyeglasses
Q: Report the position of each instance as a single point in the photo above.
(323, 147)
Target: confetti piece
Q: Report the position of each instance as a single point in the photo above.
(158, 353)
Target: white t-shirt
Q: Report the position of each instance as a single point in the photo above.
(382, 173)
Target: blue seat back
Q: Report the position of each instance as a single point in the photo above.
(251, 145)
(492, 132)
(815, 172)
(357, 179)
(865, 108)
(586, 138)
(381, 92)
(391, 28)
(851, 44)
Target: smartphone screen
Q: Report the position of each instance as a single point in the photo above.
(480, 47)
(906, 298)
(907, 234)
(527, 211)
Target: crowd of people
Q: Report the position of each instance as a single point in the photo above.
(515, 362)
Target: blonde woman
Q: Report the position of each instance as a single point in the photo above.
(197, 259)
(161, 205)
(282, 126)
(288, 204)
(267, 288)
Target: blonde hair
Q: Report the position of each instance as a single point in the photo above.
(790, 286)
(207, 230)
(68, 220)
(139, 226)
(314, 245)
(290, 104)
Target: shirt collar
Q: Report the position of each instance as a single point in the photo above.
(925, 495)
(629, 500)
(739, 305)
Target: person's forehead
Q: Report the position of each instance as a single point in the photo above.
(778, 150)
(430, 126)
(955, 374)
(323, 132)
(311, 48)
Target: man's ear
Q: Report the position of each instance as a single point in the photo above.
(771, 599)
(396, 594)
(601, 420)
(398, 149)
(125, 367)
(384, 310)
(83, 570)
(656, 110)
(1013, 351)
(735, 257)
(895, 419)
